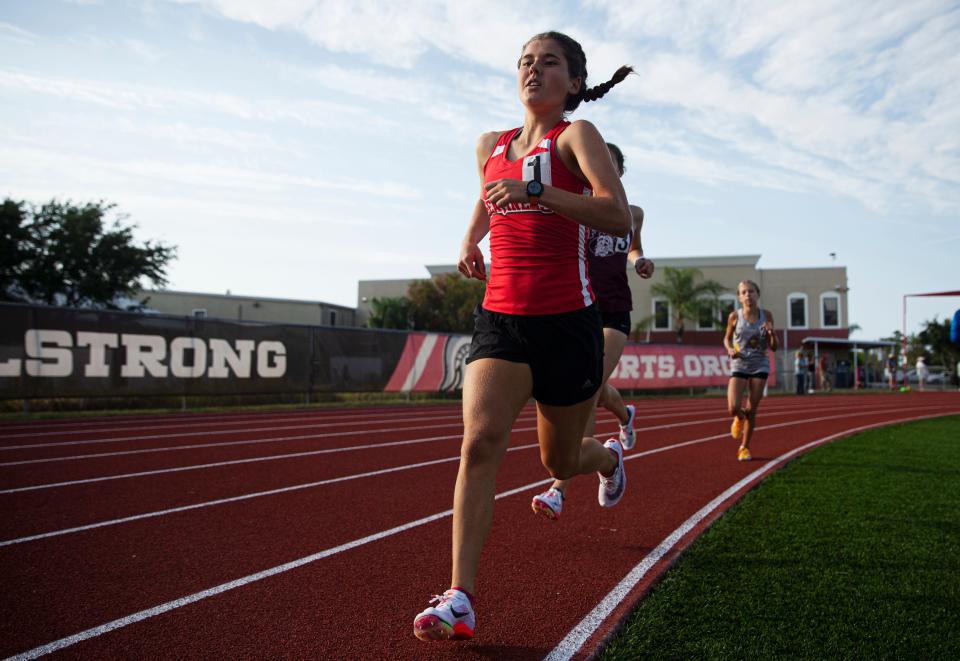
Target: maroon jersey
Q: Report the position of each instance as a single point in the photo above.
(537, 257)
(607, 262)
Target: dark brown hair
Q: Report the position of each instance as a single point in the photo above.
(617, 157)
(577, 67)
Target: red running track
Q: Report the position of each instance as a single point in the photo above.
(320, 534)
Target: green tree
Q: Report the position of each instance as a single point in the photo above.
(934, 341)
(65, 254)
(445, 303)
(390, 312)
(13, 241)
(687, 296)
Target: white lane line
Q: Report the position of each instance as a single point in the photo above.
(234, 499)
(163, 422)
(276, 457)
(574, 640)
(296, 487)
(150, 437)
(531, 414)
(294, 564)
(233, 462)
(167, 421)
(252, 441)
(289, 455)
(284, 439)
(246, 580)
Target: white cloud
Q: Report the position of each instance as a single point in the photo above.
(136, 96)
(10, 32)
(28, 166)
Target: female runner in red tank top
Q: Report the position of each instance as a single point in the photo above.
(607, 258)
(538, 332)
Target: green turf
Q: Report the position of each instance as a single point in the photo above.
(850, 552)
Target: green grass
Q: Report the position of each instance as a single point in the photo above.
(850, 552)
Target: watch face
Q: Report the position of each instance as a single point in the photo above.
(534, 188)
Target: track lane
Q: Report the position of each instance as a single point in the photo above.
(663, 475)
(120, 499)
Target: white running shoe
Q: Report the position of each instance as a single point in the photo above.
(452, 617)
(549, 503)
(627, 436)
(612, 488)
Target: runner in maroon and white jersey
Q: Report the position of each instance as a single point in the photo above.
(538, 332)
(607, 258)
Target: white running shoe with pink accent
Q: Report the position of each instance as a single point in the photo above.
(627, 435)
(549, 503)
(612, 487)
(452, 617)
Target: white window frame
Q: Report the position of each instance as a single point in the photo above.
(653, 312)
(823, 317)
(715, 309)
(332, 317)
(199, 313)
(806, 309)
(727, 297)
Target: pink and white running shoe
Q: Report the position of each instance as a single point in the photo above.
(549, 503)
(612, 487)
(452, 617)
(627, 436)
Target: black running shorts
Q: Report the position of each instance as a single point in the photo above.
(564, 351)
(744, 375)
(617, 321)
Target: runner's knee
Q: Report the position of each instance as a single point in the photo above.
(561, 466)
(480, 448)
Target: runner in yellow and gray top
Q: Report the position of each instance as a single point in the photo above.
(749, 335)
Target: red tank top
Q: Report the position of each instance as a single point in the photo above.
(537, 257)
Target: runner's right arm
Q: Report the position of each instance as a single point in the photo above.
(471, 262)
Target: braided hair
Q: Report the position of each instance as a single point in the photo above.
(577, 67)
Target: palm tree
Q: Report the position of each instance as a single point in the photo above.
(685, 295)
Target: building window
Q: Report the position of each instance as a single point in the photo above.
(728, 304)
(199, 313)
(830, 310)
(797, 310)
(661, 314)
(707, 314)
(333, 317)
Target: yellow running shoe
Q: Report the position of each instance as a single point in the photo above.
(736, 429)
(743, 454)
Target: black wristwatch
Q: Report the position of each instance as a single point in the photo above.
(534, 191)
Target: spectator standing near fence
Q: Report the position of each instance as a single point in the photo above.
(538, 332)
(826, 378)
(892, 370)
(800, 372)
(922, 372)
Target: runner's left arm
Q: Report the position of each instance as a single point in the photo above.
(643, 266)
(771, 333)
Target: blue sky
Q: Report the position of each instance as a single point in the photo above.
(290, 148)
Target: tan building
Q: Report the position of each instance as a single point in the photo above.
(804, 301)
(249, 308)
